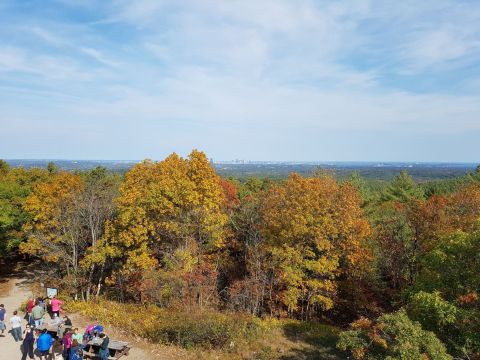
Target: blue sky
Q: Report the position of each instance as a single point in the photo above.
(262, 80)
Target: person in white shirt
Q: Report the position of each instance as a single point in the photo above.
(16, 322)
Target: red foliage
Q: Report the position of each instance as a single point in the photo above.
(231, 194)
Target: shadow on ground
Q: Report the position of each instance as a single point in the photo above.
(320, 338)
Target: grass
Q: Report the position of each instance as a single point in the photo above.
(213, 335)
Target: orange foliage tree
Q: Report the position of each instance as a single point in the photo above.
(315, 233)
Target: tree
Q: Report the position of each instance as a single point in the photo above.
(362, 186)
(445, 297)
(15, 186)
(464, 208)
(67, 216)
(403, 188)
(52, 168)
(452, 267)
(4, 167)
(97, 206)
(393, 336)
(55, 230)
(231, 194)
(170, 219)
(314, 233)
(405, 231)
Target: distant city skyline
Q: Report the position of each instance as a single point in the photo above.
(272, 80)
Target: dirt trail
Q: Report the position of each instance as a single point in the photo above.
(12, 293)
(15, 289)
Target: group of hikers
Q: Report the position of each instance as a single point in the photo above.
(67, 340)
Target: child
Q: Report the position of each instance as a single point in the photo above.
(67, 344)
(77, 335)
(44, 343)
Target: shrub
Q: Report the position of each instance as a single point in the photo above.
(207, 329)
(392, 336)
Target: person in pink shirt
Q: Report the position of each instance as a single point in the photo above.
(55, 306)
(67, 344)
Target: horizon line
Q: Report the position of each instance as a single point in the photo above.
(246, 161)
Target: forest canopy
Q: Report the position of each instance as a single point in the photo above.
(396, 260)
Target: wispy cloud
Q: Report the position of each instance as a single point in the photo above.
(48, 36)
(325, 72)
(97, 55)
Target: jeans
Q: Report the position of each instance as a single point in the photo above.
(27, 349)
(17, 333)
(66, 353)
(38, 322)
(104, 354)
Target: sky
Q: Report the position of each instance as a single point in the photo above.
(293, 80)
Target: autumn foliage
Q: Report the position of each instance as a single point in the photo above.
(175, 235)
(315, 233)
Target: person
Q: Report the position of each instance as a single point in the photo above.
(96, 331)
(44, 343)
(55, 303)
(88, 335)
(76, 353)
(77, 335)
(2, 318)
(41, 302)
(67, 344)
(28, 341)
(104, 352)
(56, 320)
(30, 306)
(67, 321)
(16, 322)
(37, 314)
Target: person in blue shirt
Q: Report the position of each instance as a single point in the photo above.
(44, 343)
(2, 318)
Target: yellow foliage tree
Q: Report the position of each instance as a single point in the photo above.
(55, 227)
(169, 216)
(315, 232)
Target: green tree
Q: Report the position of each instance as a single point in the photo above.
(402, 189)
(52, 168)
(452, 267)
(431, 311)
(446, 295)
(4, 167)
(15, 186)
(392, 337)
